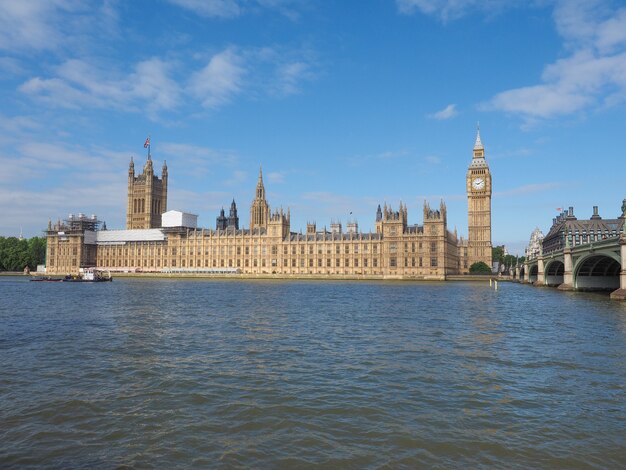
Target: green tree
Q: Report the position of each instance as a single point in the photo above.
(480, 268)
(497, 254)
(36, 251)
(16, 254)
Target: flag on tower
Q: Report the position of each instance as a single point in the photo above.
(559, 209)
(147, 143)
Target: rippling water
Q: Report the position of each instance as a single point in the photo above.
(161, 373)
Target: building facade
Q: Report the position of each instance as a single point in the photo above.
(534, 245)
(174, 244)
(147, 196)
(567, 229)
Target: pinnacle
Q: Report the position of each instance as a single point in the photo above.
(478, 145)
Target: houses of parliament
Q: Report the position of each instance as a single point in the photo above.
(170, 242)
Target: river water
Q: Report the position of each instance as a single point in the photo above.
(229, 374)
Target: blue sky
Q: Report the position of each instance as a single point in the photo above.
(346, 105)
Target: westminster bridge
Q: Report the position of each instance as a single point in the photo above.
(595, 262)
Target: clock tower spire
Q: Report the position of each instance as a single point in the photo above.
(479, 206)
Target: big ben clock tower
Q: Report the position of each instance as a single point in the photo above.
(479, 206)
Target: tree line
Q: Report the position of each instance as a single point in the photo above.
(16, 254)
(507, 262)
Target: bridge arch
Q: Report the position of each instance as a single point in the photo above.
(598, 271)
(554, 272)
(522, 272)
(533, 273)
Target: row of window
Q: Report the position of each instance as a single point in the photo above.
(51, 262)
(64, 250)
(139, 206)
(393, 263)
(230, 250)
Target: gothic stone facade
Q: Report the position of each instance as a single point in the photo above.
(396, 249)
(147, 196)
(269, 247)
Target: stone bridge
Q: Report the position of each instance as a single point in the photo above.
(599, 265)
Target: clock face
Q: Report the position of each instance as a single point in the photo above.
(478, 183)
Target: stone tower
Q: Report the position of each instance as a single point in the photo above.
(233, 218)
(479, 206)
(147, 196)
(260, 210)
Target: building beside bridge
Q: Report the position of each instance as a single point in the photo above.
(581, 254)
(159, 241)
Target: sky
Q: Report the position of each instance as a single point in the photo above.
(346, 105)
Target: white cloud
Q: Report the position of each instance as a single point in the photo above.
(61, 178)
(17, 125)
(290, 75)
(210, 8)
(452, 9)
(152, 83)
(528, 189)
(204, 203)
(237, 178)
(10, 66)
(234, 8)
(446, 113)
(186, 152)
(48, 25)
(433, 198)
(31, 209)
(28, 24)
(281, 71)
(276, 177)
(156, 84)
(220, 80)
(594, 75)
(80, 84)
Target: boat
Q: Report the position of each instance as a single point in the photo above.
(89, 275)
(46, 279)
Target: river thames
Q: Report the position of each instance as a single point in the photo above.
(210, 373)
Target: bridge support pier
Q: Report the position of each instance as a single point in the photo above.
(541, 276)
(568, 272)
(526, 278)
(620, 294)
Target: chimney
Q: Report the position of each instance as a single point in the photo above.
(595, 213)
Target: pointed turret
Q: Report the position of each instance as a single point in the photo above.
(221, 222)
(260, 210)
(148, 168)
(478, 145)
(379, 214)
(260, 188)
(233, 218)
